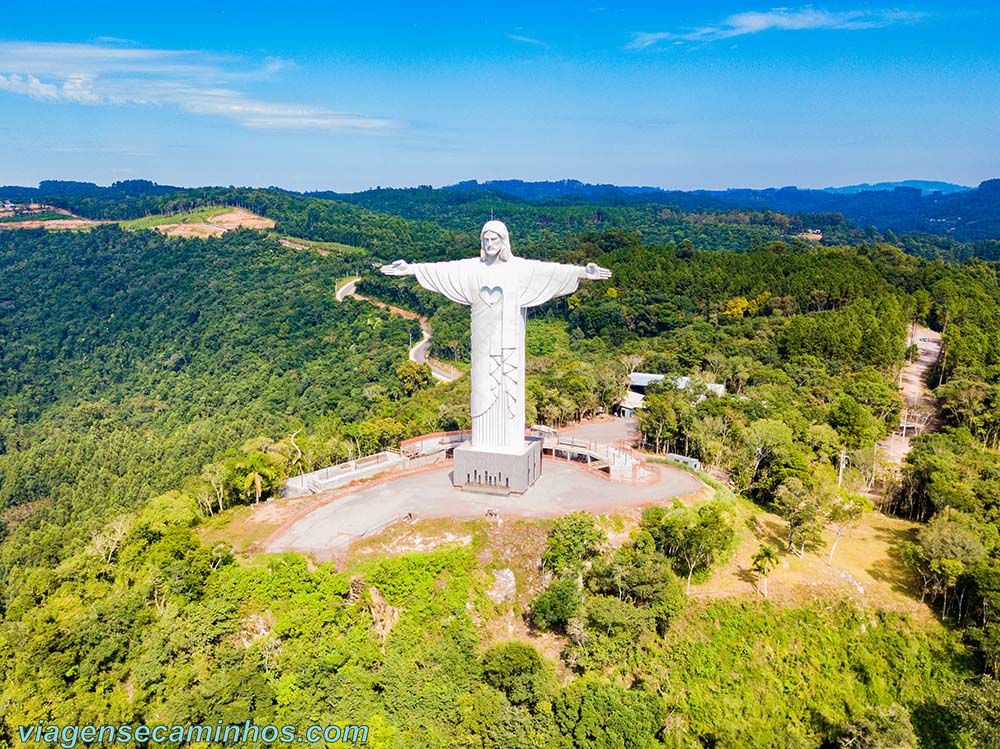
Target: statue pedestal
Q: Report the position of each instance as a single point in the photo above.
(496, 472)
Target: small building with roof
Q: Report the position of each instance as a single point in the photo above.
(639, 381)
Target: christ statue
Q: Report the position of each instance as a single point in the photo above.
(500, 288)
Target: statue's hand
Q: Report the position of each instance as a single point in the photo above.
(594, 272)
(398, 268)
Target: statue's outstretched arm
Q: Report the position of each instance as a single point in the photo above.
(594, 272)
(398, 268)
(446, 278)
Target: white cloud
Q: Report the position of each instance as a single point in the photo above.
(527, 40)
(28, 85)
(192, 81)
(780, 19)
(117, 40)
(274, 65)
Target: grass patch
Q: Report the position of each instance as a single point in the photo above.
(43, 216)
(235, 527)
(200, 216)
(328, 247)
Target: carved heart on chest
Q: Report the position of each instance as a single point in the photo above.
(491, 295)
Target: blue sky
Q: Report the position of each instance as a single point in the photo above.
(337, 96)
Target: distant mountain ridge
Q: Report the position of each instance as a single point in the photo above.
(965, 214)
(925, 186)
(551, 189)
(546, 190)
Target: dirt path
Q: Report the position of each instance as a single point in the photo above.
(418, 352)
(918, 411)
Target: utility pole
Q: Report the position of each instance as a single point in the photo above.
(840, 471)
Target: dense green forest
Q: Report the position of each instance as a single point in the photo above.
(149, 383)
(968, 214)
(132, 360)
(423, 220)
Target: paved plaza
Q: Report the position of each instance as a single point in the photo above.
(561, 489)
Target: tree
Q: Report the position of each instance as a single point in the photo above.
(963, 401)
(977, 704)
(637, 574)
(693, 537)
(373, 435)
(764, 561)
(738, 370)
(214, 475)
(556, 605)
(854, 423)
(947, 547)
(765, 440)
(414, 377)
(607, 632)
(880, 728)
(598, 715)
(573, 540)
(253, 474)
(843, 514)
(658, 419)
(107, 540)
(517, 670)
(870, 389)
(801, 510)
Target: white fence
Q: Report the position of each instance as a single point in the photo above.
(340, 475)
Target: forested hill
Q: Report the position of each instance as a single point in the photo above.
(932, 224)
(432, 224)
(964, 215)
(131, 360)
(153, 387)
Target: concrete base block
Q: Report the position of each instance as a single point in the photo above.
(497, 473)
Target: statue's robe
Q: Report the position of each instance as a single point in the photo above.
(499, 295)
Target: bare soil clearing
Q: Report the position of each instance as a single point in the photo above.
(238, 218)
(69, 222)
(54, 224)
(299, 246)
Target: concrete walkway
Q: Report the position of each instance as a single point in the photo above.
(561, 489)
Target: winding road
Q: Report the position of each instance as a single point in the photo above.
(418, 352)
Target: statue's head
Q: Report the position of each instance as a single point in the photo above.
(494, 242)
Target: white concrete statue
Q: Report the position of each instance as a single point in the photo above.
(499, 287)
